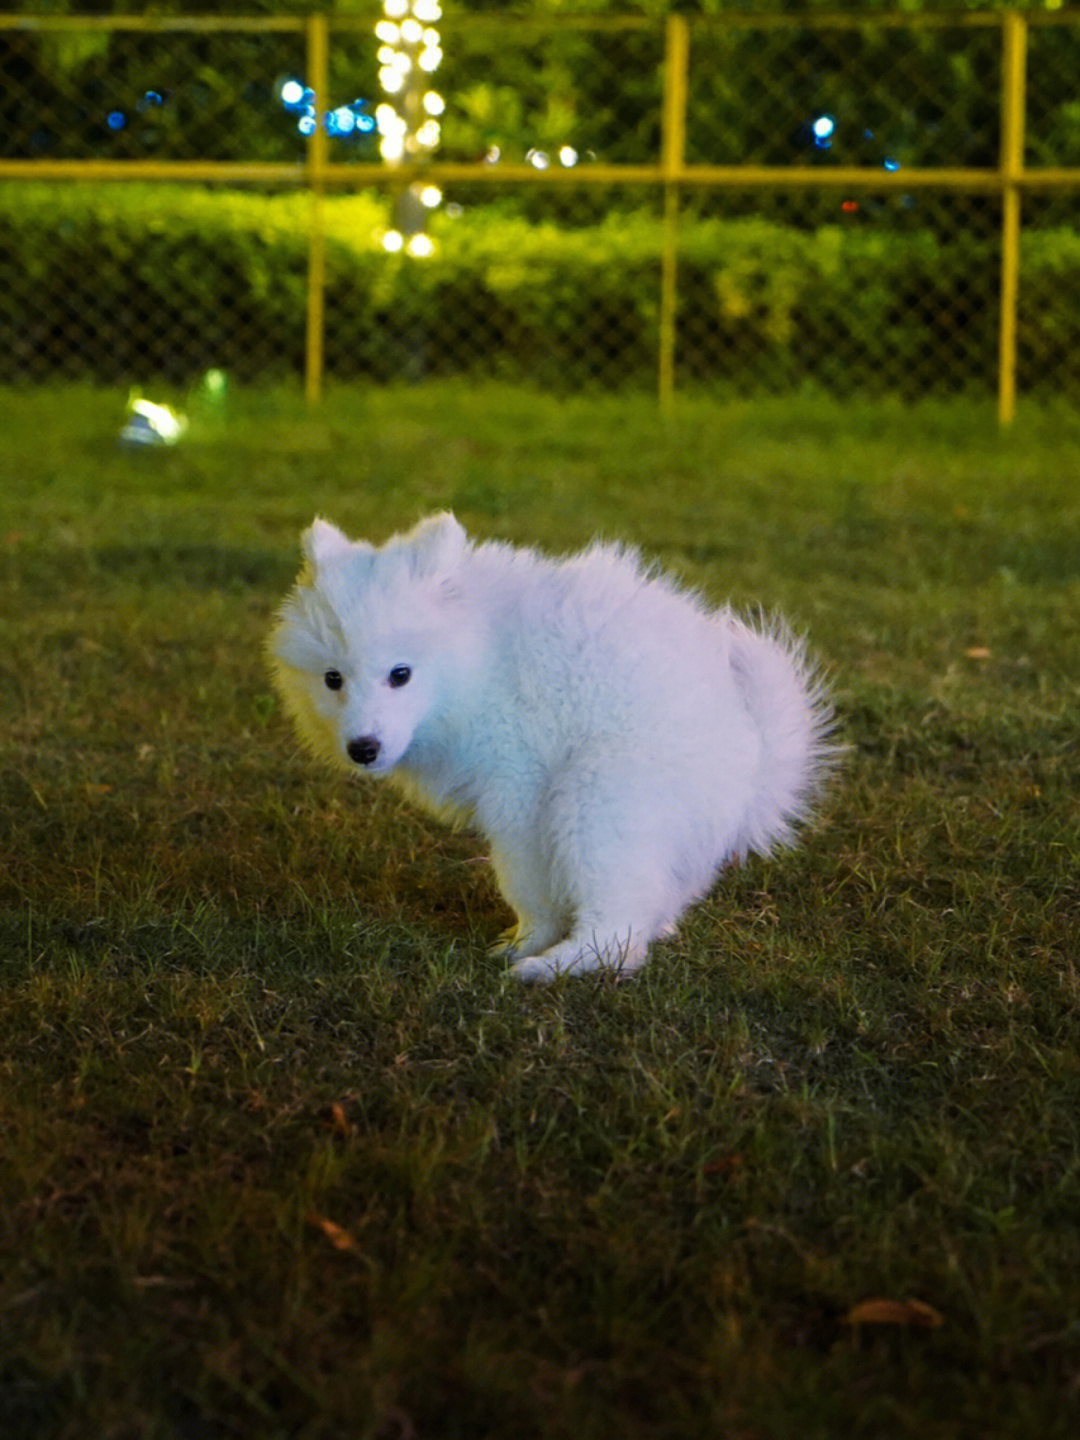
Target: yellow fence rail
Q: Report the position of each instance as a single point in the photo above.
(681, 174)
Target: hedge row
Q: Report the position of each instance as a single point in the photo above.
(125, 282)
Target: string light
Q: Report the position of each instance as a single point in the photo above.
(409, 43)
(407, 120)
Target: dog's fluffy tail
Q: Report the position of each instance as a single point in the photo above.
(789, 706)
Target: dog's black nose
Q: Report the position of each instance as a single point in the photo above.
(364, 751)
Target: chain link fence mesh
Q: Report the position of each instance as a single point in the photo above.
(802, 203)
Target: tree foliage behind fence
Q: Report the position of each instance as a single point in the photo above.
(753, 203)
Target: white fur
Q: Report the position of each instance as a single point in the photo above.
(615, 741)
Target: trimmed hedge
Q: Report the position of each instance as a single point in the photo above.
(120, 282)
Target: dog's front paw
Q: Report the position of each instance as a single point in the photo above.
(565, 958)
(537, 968)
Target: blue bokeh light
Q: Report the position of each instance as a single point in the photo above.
(341, 121)
(365, 123)
(296, 96)
(344, 122)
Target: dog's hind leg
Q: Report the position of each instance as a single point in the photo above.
(613, 858)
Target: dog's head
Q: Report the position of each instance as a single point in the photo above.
(364, 653)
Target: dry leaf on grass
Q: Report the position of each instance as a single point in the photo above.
(338, 1119)
(913, 1313)
(339, 1238)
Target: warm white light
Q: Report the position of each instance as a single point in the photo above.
(421, 246)
(409, 43)
(538, 159)
(388, 119)
(568, 156)
(430, 196)
(393, 241)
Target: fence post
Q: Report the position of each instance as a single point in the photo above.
(318, 62)
(676, 57)
(1013, 74)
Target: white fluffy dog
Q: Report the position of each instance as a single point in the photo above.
(615, 740)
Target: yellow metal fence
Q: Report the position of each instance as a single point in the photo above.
(881, 203)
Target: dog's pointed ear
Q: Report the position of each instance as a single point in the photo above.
(322, 542)
(437, 544)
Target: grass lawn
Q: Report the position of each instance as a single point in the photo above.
(283, 1153)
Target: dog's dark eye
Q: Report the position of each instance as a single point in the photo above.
(399, 675)
(334, 680)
